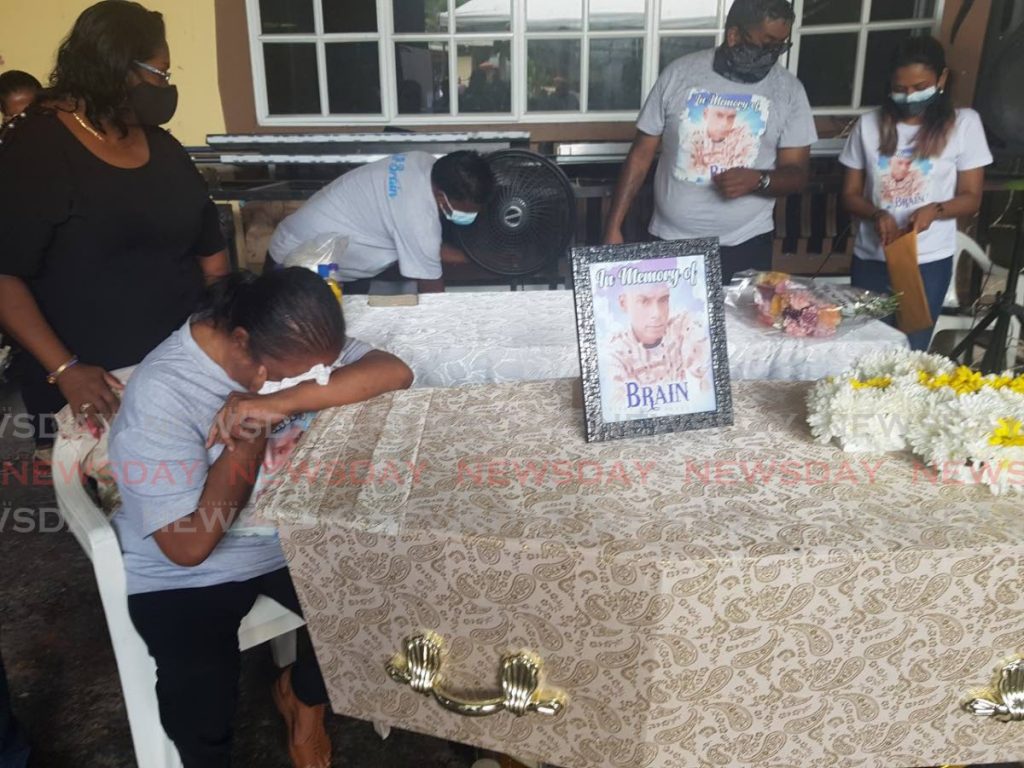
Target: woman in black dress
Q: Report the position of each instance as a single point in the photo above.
(107, 233)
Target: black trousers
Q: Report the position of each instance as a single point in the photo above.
(13, 749)
(192, 634)
(755, 253)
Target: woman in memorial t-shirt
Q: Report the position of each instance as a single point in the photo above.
(194, 441)
(915, 163)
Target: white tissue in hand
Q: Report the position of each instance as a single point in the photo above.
(319, 373)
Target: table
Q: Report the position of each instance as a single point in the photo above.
(450, 339)
(738, 596)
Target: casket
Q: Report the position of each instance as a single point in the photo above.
(472, 569)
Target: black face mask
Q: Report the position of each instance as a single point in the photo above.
(153, 104)
(747, 63)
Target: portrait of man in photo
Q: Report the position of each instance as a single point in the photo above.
(657, 359)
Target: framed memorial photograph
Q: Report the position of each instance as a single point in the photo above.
(651, 325)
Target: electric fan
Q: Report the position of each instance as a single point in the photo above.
(530, 220)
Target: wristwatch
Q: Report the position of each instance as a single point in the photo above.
(764, 182)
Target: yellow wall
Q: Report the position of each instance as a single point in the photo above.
(31, 30)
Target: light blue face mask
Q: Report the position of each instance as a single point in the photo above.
(456, 217)
(915, 103)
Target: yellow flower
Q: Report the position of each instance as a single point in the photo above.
(965, 381)
(1008, 434)
(1009, 382)
(876, 382)
(932, 381)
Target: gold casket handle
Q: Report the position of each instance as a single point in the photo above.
(419, 667)
(1006, 702)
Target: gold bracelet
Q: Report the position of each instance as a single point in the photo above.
(52, 377)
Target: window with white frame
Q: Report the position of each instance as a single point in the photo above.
(409, 62)
(841, 47)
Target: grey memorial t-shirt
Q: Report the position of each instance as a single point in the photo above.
(709, 124)
(159, 457)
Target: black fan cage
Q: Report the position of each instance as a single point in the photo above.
(530, 221)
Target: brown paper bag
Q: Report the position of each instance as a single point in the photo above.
(905, 278)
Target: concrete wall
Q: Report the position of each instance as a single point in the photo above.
(31, 30)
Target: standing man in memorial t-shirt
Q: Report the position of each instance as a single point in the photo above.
(735, 131)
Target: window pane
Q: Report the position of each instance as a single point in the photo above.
(616, 67)
(353, 78)
(350, 15)
(545, 15)
(422, 73)
(419, 15)
(483, 15)
(832, 11)
(689, 14)
(292, 85)
(827, 64)
(553, 75)
(891, 10)
(616, 14)
(674, 47)
(485, 76)
(282, 17)
(876, 62)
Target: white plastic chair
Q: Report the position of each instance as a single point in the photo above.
(267, 621)
(953, 320)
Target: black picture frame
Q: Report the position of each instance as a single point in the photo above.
(651, 324)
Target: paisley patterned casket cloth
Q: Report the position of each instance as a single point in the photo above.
(730, 597)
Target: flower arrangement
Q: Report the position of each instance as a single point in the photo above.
(967, 426)
(801, 307)
(795, 311)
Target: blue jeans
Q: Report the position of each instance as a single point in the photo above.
(874, 276)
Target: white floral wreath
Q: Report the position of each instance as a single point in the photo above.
(969, 428)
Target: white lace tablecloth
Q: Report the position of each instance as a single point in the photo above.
(450, 339)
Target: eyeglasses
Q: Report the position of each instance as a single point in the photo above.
(780, 48)
(149, 68)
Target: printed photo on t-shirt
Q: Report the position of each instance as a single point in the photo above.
(904, 181)
(275, 469)
(719, 131)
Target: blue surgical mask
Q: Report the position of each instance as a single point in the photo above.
(456, 217)
(915, 103)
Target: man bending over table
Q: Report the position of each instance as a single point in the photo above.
(391, 211)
